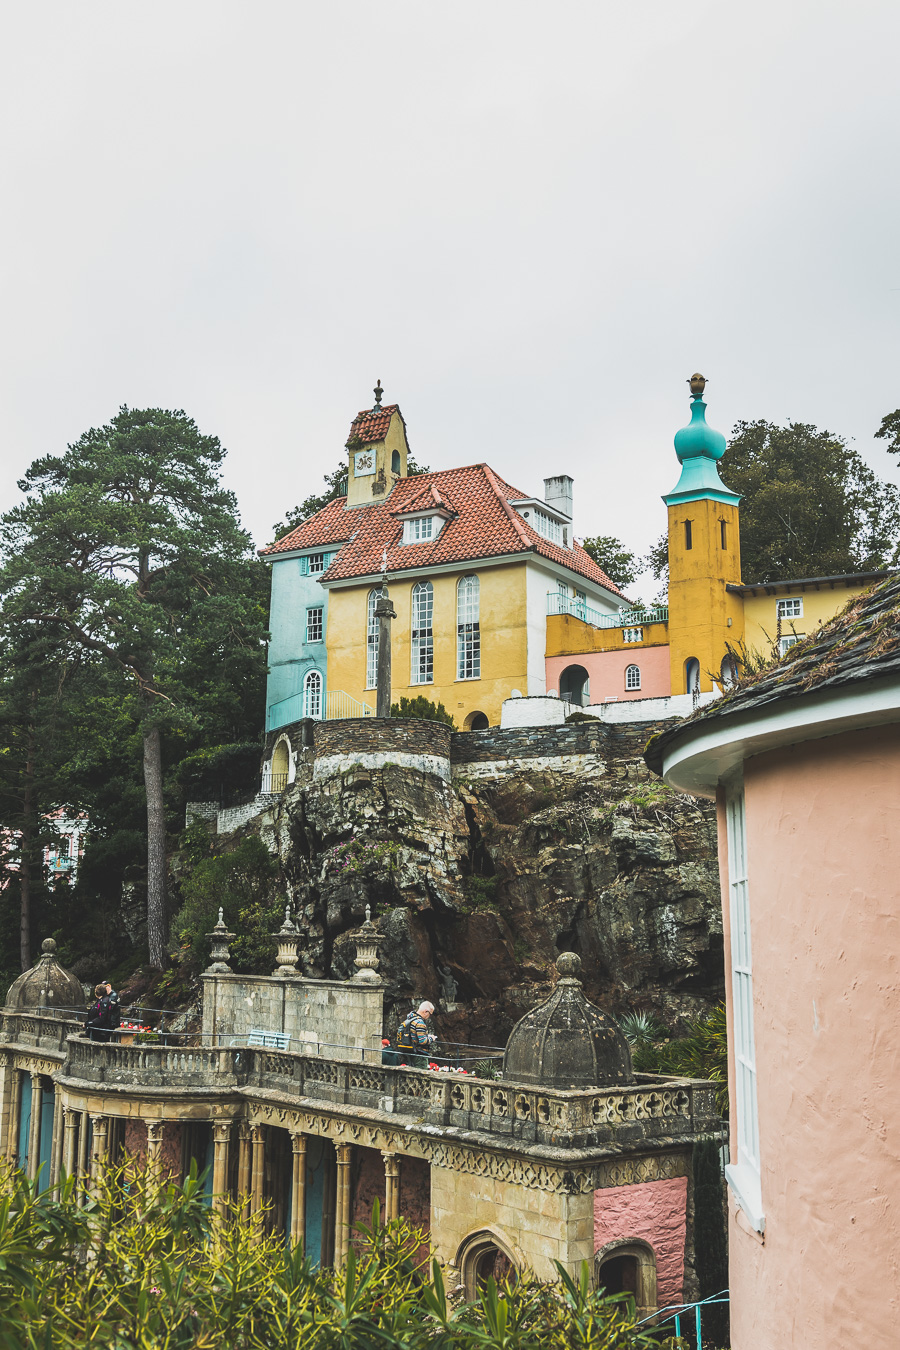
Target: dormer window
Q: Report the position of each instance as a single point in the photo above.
(549, 523)
(421, 529)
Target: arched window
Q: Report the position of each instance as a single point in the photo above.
(312, 695)
(632, 677)
(628, 1268)
(574, 685)
(422, 663)
(476, 721)
(692, 675)
(482, 1255)
(372, 640)
(468, 630)
(729, 672)
(395, 462)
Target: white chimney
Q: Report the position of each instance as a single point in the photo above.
(558, 493)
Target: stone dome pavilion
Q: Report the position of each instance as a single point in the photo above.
(46, 985)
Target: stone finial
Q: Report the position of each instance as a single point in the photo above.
(379, 393)
(288, 940)
(219, 953)
(568, 967)
(368, 946)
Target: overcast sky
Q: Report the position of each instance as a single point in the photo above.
(532, 221)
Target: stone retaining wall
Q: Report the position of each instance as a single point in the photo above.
(374, 742)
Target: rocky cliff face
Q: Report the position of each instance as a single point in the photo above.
(479, 883)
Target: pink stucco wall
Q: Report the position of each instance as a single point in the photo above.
(607, 672)
(823, 862)
(655, 1212)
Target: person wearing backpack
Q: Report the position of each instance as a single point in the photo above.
(113, 1007)
(414, 1038)
(98, 1013)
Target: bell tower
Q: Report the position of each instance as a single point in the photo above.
(378, 450)
(704, 556)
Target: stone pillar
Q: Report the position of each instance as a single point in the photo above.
(258, 1140)
(99, 1130)
(57, 1142)
(15, 1106)
(155, 1131)
(221, 1140)
(342, 1216)
(243, 1183)
(391, 1186)
(384, 613)
(298, 1188)
(70, 1144)
(34, 1134)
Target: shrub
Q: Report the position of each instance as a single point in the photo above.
(420, 706)
(702, 1053)
(239, 881)
(147, 1265)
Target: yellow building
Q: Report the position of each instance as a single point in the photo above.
(469, 561)
(712, 620)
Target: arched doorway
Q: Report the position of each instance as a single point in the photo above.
(574, 684)
(628, 1268)
(692, 675)
(476, 721)
(482, 1255)
(281, 764)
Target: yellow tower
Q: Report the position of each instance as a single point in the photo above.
(704, 557)
(378, 452)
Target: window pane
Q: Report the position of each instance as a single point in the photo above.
(314, 624)
(372, 641)
(312, 695)
(422, 662)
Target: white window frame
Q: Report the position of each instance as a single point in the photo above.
(372, 634)
(315, 563)
(468, 628)
(789, 640)
(789, 608)
(744, 1172)
(312, 694)
(422, 529)
(312, 624)
(632, 680)
(422, 634)
(632, 634)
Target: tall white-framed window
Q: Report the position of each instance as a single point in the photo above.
(314, 624)
(372, 640)
(580, 603)
(743, 1173)
(468, 629)
(632, 677)
(422, 663)
(312, 694)
(791, 608)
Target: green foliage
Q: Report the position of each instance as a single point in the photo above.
(359, 857)
(811, 505)
(481, 892)
(702, 1053)
(420, 706)
(641, 1028)
(335, 486)
(621, 565)
(890, 431)
(215, 771)
(241, 881)
(145, 1266)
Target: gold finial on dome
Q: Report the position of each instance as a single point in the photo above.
(698, 384)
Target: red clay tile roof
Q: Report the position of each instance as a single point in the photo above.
(372, 423)
(429, 497)
(486, 526)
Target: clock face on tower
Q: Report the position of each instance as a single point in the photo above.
(363, 463)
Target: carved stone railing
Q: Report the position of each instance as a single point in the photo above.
(43, 1031)
(654, 1108)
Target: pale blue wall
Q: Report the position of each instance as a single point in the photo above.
(290, 656)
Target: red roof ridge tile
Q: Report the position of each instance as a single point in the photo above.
(517, 524)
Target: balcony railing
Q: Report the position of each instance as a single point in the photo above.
(624, 618)
(338, 705)
(655, 1108)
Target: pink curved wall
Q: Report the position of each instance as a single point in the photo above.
(607, 672)
(656, 1212)
(823, 834)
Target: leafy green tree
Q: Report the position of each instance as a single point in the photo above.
(619, 563)
(335, 486)
(420, 706)
(810, 505)
(128, 548)
(890, 431)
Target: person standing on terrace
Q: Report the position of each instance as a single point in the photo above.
(414, 1038)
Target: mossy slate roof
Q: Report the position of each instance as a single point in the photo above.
(861, 642)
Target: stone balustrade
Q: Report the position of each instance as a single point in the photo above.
(654, 1109)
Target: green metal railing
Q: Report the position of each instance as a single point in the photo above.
(624, 618)
(337, 705)
(687, 1312)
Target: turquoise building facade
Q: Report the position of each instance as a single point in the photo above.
(297, 684)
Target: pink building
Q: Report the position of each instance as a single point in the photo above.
(805, 765)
